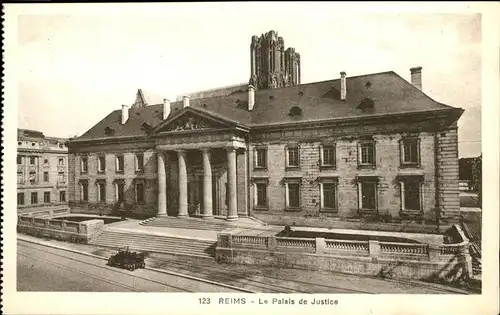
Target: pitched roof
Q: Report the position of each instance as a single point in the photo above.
(217, 92)
(390, 93)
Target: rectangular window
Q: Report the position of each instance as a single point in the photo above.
(139, 192)
(119, 164)
(293, 195)
(45, 176)
(119, 191)
(293, 159)
(101, 191)
(32, 160)
(101, 164)
(367, 154)
(329, 196)
(46, 197)
(19, 160)
(261, 158)
(62, 196)
(410, 148)
(61, 161)
(20, 199)
(61, 178)
(327, 155)
(261, 201)
(369, 195)
(34, 198)
(84, 164)
(139, 162)
(20, 177)
(84, 191)
(412, 195)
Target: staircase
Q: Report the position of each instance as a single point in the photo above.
(155, 243)
(191, 223)
(476, 267)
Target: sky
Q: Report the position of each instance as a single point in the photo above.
(74, 69)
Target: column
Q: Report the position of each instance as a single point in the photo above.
(402, 183)
(183, 189)
(287, 200)
(231, 183)
(162, 185)
(360, 196)
(321, 196)
(207, 185)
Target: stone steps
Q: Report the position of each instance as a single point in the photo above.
(155, 243)
(476, 266)
(185, 224)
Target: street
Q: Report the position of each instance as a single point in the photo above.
(36, 274)
(42, 268)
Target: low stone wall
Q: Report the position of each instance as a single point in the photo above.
(325, 221)
(137, 212)
(448, 262)
(78, 232)
(44, 211)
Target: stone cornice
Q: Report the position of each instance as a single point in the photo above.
(448, 113)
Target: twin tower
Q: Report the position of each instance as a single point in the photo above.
(273, 66)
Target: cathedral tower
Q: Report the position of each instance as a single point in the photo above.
(271, 65)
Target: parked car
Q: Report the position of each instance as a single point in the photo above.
(127, 260)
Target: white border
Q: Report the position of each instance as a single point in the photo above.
(156, 303)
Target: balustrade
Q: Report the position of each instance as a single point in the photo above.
(347, 245)
(296, 242)
(450, 249)
(254, 240)
(404, 248)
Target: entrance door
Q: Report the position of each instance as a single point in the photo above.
(195, 189)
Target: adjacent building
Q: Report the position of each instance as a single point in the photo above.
(276, 149)
(42, 171)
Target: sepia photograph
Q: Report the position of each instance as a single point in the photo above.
(260, 156)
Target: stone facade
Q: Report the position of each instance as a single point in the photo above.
(436, 172)
(110, 177)
(371, 146)
(387, 168)
(42, 171)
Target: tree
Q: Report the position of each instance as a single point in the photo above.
(477, 177)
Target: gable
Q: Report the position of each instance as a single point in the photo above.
(191, 120)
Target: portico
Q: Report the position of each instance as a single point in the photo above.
(198, 167)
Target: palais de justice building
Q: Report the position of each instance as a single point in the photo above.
(275, 149)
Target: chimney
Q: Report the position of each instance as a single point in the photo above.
(343, 88)
(416, 77)
(124, 114)
(251, 97)
(185, 101)
(166, 108)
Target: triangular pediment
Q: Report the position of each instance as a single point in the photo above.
(190, 119)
